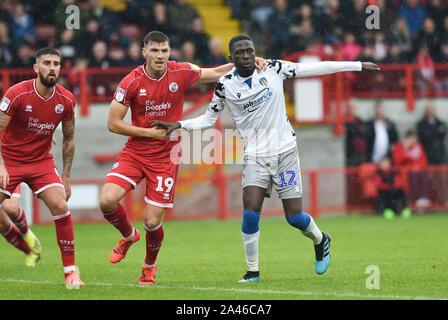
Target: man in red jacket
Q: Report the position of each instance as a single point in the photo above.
(409, 155)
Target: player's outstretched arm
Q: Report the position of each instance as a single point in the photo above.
(213, 74)
(68, 152)
(369, 66)
(329, 67)
(4, 176)
(116, 124)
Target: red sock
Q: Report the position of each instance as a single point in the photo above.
(119, 220)
(14, 237)
(20, 221)
(154, 238)
(65, 237)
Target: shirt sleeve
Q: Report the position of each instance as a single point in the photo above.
(192, 73)
(71, 112)
(124, 94)
(208, 119)
(288, 70)
(10, 102)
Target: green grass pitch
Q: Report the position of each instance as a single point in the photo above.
(205, 259)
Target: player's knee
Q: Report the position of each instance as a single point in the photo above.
(250, 222)
(107, 202)
(11, 208)
(300, 221)
(59, 208)
(152, 222)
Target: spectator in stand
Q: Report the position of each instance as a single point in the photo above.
(116, 57)
(409, 155)
(200, 39)
(4, 62)
(260, 11)
(444, 33)
(401, 35)
(109, 22)
(351, 49)
(134, 57)
(189, 53)
(437, 11)
(301, 35)
(380, 48)
(215, 58)
(391, 194)
(356, 138)
(67, 45)
(425, 80)
(431, 133)
(180, 15)
(414, 14)
(442, 57)
(99, 53)
(429, 37)
(159, 20)
(22, 25)
(5, 44)
(280, 19)
(388, 14)
(87, 37)
(330, 22)
(24, 57)
(382, 135)
(366, 54)
(395, 55)
(357, 21)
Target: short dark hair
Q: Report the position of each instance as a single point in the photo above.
(155, 36)
(47, 50)
(237, 38)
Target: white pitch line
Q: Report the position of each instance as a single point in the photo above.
(260, 291)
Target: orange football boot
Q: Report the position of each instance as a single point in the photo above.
(148, 275)
(120, 250)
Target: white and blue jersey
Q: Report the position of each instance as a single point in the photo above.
(257, 104)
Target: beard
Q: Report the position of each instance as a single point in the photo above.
(47, 81)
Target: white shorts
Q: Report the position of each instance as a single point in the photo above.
(282, 171)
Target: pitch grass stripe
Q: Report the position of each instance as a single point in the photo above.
(261, 291)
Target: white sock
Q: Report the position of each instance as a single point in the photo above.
(131, 236)
(313, 232)
(69, 268)
(250, 242)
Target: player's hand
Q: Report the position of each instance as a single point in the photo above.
(4, 176)
(67, 187)
(261, 64)
(53, 141)
(156, 133)
(369, 66)
(169, 126)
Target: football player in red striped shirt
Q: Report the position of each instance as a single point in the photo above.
(30, 112)
(152, 91)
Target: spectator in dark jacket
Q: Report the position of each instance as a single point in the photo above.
(355, 138)
(431, 133)
(391, 195)
(382, 135)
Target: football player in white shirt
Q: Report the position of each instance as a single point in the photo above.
(257, 105)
